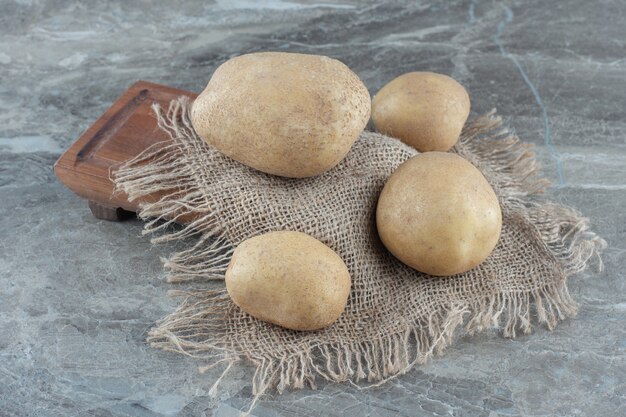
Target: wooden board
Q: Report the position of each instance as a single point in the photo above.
(122, 132)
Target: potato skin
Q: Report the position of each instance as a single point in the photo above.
(293, 115)
(425, 110)
(290, 279)
(438, 214)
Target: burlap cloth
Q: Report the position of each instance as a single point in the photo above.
(396, 317)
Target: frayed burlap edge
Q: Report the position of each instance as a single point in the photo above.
(162, 170)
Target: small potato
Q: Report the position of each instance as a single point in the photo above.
(438, 214)
(424, 110)
(290, 279)
(286, 114)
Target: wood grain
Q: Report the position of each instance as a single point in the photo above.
(121, 133)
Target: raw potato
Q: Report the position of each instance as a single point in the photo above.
(286, 114)
(290, 279)
(438, 214)
(424, 110)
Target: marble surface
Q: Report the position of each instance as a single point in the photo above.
(78, 295)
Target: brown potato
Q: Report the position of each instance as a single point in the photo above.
(290, 279)
(424, 110)
(438, 214)
(286, 114)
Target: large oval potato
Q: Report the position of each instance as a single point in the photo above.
(425, 110)
(286, 114)
(290, 279)
(438, 214)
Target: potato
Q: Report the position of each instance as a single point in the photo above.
(286, 114)
(290, 279)
(424, 110)
(438, 214)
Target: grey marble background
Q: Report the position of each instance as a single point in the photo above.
(77, 295)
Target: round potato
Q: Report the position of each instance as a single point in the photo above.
(290, 279)
(424, 110)
(286, 114)
(438, 214)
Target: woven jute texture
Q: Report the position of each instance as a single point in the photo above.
(396, 317)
